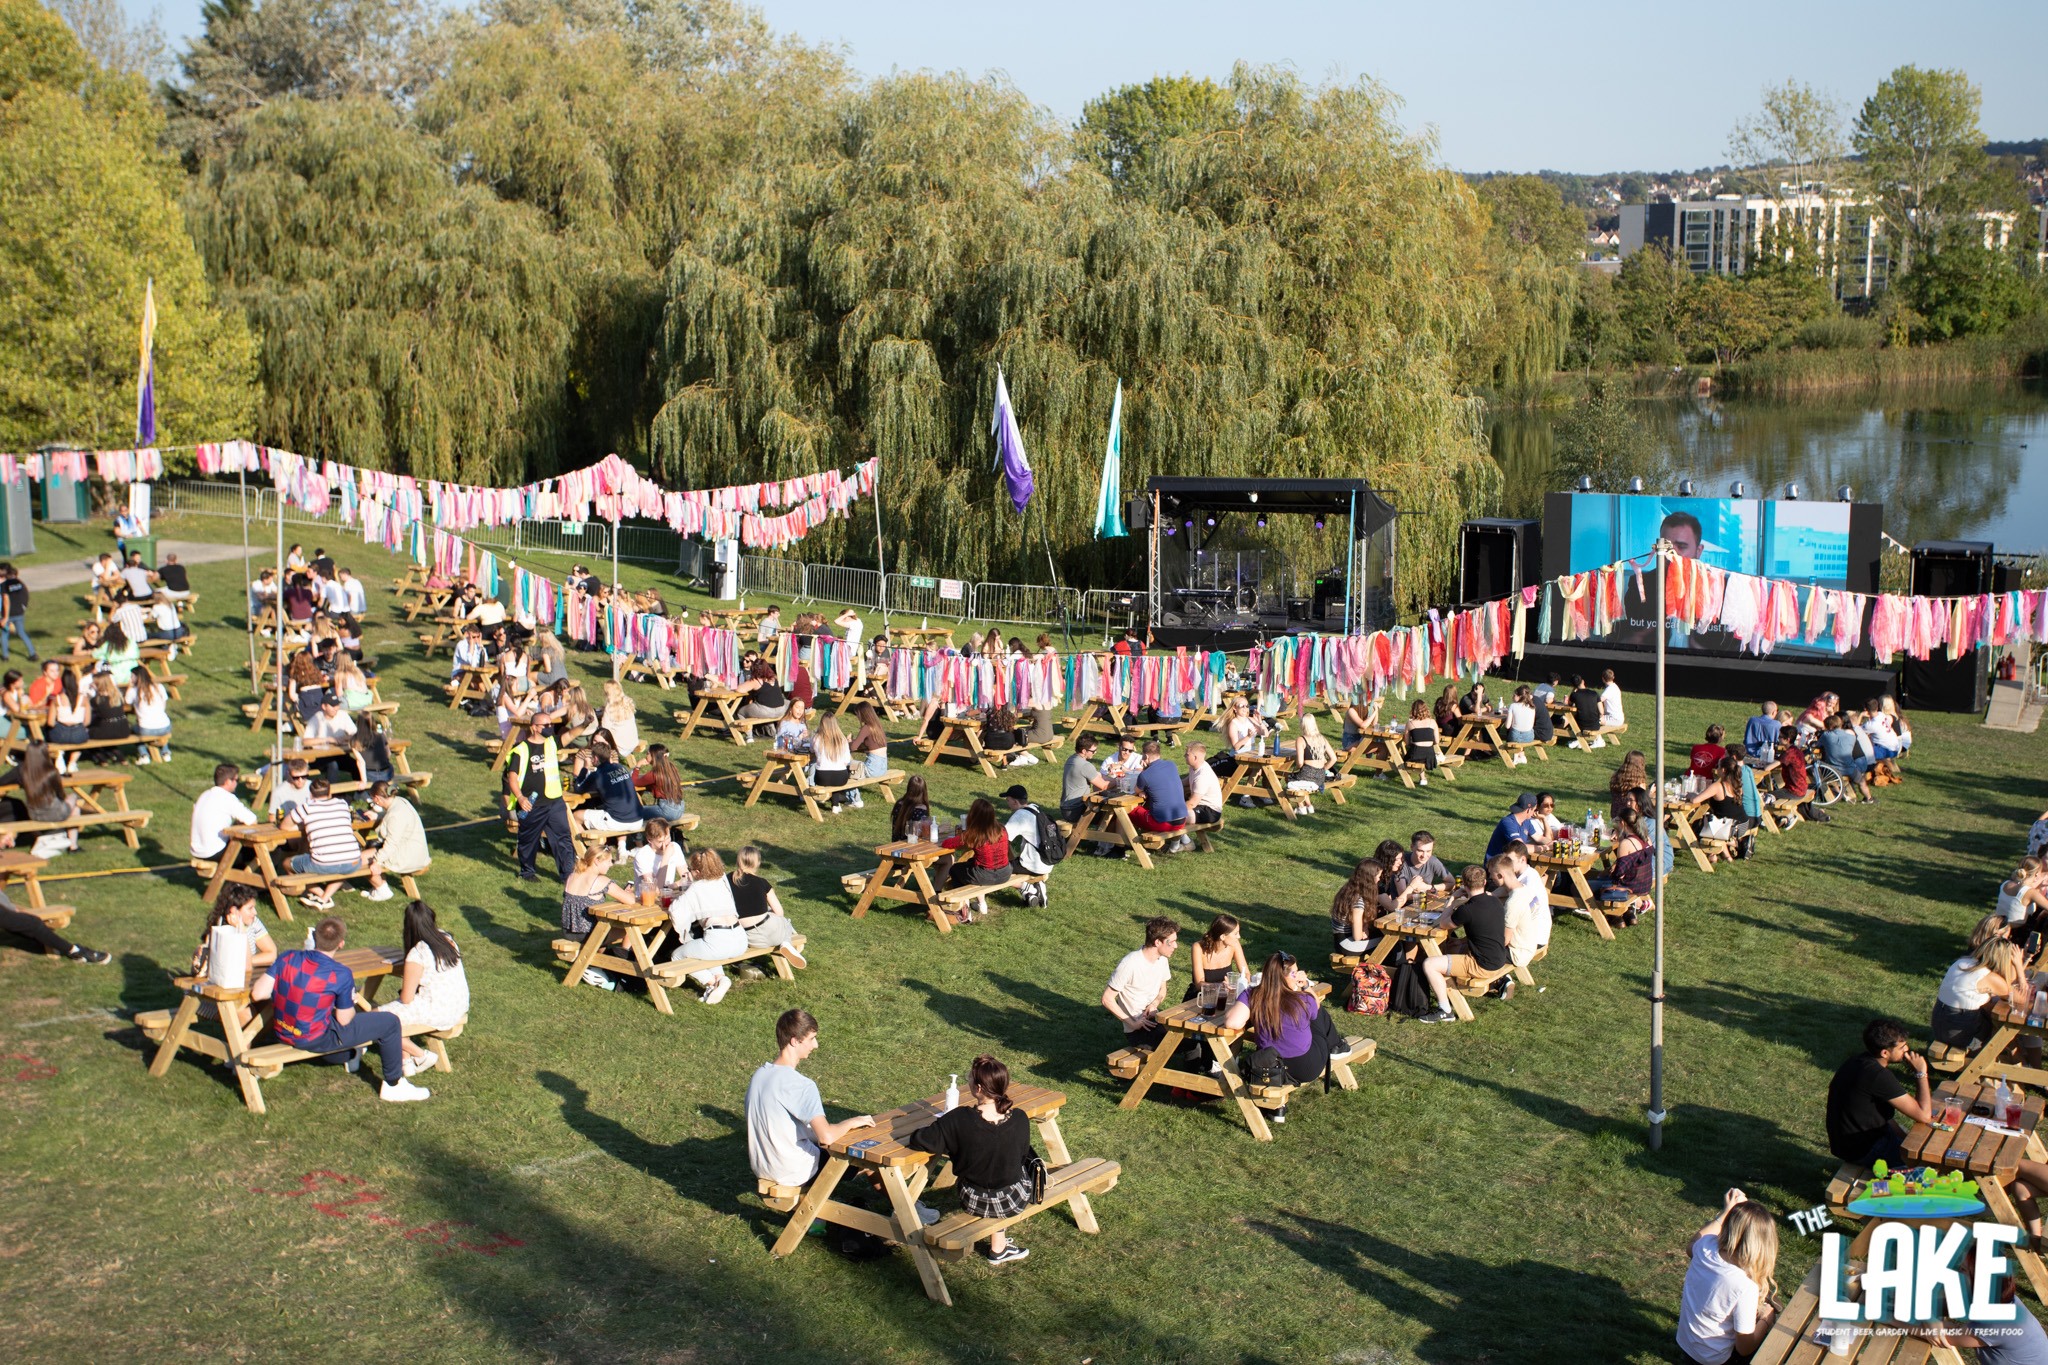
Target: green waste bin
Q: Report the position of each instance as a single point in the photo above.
(144, 546)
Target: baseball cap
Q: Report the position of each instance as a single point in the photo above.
(1017, 793)
(1526, 801)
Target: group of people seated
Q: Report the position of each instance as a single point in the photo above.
(716, 914)
(988, 848)
(1171, 799)
(308, 808)
(313, 994)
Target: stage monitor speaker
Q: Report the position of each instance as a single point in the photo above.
(1939, 683)
(1496, 557)
(1138, 514)
(1951, 568)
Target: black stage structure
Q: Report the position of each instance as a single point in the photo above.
(1222, 577)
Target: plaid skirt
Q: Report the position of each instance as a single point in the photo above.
(1002, 1203)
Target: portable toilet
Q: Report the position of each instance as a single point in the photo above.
(66, 499)
(17, 520)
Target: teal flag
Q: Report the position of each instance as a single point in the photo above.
(1109, 499)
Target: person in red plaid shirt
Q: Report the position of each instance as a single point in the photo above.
(313, 998)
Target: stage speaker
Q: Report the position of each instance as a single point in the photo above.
(1949, 568)
(1138, 514)
(1497, 556)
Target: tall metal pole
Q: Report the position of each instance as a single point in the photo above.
(1657, 1113)
(881, 564)
(249, 582)
(277, 749)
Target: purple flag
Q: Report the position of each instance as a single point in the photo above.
(145, 377)
(1010, 457)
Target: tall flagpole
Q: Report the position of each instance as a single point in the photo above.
(1657, 1114)
(277, 753)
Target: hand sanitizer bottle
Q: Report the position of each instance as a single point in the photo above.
(953, 1094)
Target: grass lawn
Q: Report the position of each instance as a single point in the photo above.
(578, 1188)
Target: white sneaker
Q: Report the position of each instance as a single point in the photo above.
(593, 977)
(415, 1065)
(1520, 759)
(142, 759)
(377, 893)
(855, 802)
(1424, 779)
(1599, 741)
(1353, 945)
(717, 992)
(403, 1091)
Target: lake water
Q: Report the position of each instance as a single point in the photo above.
(1947, 463)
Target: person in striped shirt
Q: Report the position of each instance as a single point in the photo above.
(332, 848)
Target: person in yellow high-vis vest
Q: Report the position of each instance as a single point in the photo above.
(533, 780)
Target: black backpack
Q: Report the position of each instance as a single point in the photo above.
(1052, 846)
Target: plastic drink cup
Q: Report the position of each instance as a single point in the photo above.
(2014, 1112)
(1951, 1115)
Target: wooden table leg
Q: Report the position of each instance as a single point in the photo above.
(1056, 1153)
(267, 871)
(1130, 832)
(2000, 1205)
(174, 1036)
(593, 944)
(928, 897)
(238, 1043)
(1233, 1086)
(910, 1232)
(875, 884)
(210, 893)
(806, 1211)
(636, 944)
(1161, 1058)
(1583, 889)
(760, 783)
(1271, 777)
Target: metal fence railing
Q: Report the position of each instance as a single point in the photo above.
(1023, 602)
(582, 539)
(777, 577)
(847, 586)
(918, 595)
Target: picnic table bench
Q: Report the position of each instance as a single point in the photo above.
(1187, 1023)
(1111, 718)
(905, 1174)
(719, 707)
(1106, 819)
(1485, 736)
(1989, 1155)
(1250, 772)
(873, 688)
(153, 655)
(248, 860)
(903, 875)
(619, 943)
(1799, 1336)
(782, 773)
(960, 737)
(1684, 817)
(442, 633)
(103, 800)
(1385, 750)
(253, 1063)
(917, 637)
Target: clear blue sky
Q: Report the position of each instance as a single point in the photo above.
(1508, 86)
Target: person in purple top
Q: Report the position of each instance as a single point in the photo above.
(1166, 808)
(313, 998)
(1286, 1022)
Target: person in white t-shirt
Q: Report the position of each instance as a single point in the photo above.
(1204, 791)
(1022, 826)
(356, 601)
(330, 722)
(786, 1128)
(1730, 1301)
(217, 808)
(433, 991)
(851, 627)
(1137, 987)
(1523, 891)
(1611, 716)
(660, 864)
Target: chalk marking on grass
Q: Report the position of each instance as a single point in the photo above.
(555, 1163)
(74, 1018)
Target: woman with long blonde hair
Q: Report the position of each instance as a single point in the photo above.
(1730, 1298)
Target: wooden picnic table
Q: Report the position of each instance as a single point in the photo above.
(915, 637)
(904, 875)
(1106, 819)
(369, 965)
(1989, 1156)
(1569, 889)
(472, 682)
(960, 737)
(20, 864)
(869, 687)
(1800, 1334)
(248, 860)
(905, 1174)
(1185, 1023)
(783, 773)
(1383, 749)
(443, 635)
(1485, 736)
(94, 788)
(317, 751)
(1110, 718)
(1261, 770)
(2010, 1025)
(1427, 928)
(723, 704)
(1682, 817)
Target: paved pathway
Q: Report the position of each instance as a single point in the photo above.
(42, 577)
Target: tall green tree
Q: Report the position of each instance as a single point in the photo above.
(1794, 138)
(1121, 132)
(1969, 289)
(91, 218)
(1649, 298)
(1923, 154)
(407, 322)
(1529, 258)
(1283, 296)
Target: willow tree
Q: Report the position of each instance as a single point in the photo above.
(91, 218)
(406, 322)
(1283, 296)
